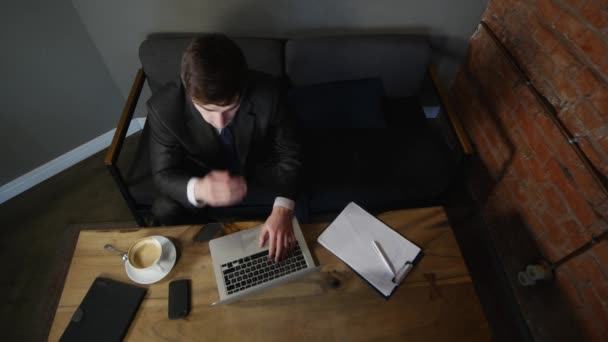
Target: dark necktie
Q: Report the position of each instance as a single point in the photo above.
(230, 154)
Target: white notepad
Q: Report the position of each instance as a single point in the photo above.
(350, 237)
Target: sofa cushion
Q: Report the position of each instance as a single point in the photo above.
(404, 164)
(400, 61)
(346, 104)
(405, 113)
(333, 198)
(161, 56)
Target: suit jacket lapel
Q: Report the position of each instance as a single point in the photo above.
(243, 126)
(205, 137)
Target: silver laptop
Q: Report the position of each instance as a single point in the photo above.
(241, 268)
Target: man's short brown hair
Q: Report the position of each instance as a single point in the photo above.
(214, 70)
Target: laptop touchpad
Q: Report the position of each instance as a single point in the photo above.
(249, 240)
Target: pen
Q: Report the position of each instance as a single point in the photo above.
(383, 257)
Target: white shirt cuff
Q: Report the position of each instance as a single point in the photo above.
(190, 193)
(284, 202)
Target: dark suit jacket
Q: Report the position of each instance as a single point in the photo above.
(184, 145)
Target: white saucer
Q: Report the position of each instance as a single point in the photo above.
(169, 255)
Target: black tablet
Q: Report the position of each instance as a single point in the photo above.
(105, 313)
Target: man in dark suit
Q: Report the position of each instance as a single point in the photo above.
(219, 133)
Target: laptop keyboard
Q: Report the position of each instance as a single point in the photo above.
(256, 269)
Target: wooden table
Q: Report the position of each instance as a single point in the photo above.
(436, 302)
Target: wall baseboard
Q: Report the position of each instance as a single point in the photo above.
(61, 163)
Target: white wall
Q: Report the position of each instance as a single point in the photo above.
(56, 92)
(118, 26)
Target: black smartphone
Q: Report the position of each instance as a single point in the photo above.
(210, 231)
(179, 298)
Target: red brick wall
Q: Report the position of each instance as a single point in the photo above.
(530, 168)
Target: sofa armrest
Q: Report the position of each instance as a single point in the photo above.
(116, 146)
(125, 119)
(443, 101)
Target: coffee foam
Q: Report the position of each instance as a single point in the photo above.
(144, 253)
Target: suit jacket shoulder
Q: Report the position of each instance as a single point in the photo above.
(167, 105)
(263, 91)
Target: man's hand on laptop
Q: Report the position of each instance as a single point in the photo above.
(219, 189)
(278, 232)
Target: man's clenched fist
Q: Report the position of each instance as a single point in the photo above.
(219, 189)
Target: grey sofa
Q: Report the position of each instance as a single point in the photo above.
(398, 162)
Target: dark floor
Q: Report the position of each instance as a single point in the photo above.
(34, 224)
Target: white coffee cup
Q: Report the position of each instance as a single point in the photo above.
(146, 254)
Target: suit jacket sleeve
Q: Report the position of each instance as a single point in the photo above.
(166, 159)
(286, 163)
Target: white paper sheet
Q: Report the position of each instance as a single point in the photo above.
(350, 238)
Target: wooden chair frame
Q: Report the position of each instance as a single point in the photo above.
(115, 148)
